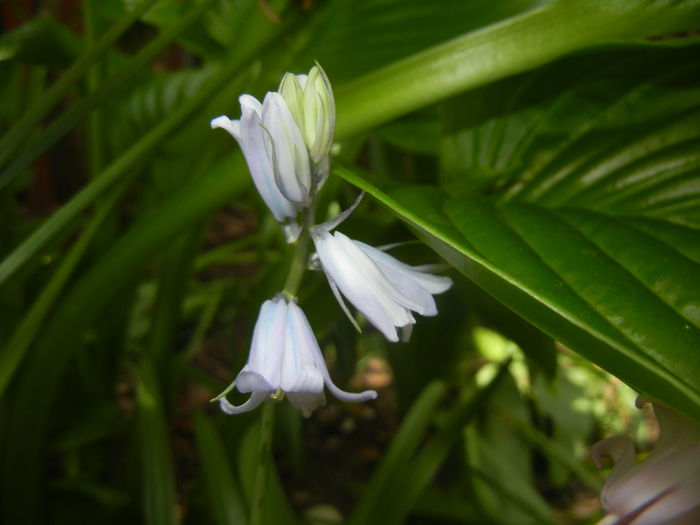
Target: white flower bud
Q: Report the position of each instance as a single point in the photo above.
(319, 114)
(292, 90)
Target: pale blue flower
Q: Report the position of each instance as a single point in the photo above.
(664, 489)
(380, 286)
(259, 126)
(285, 359)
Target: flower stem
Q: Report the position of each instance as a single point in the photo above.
(299, 257)
(262, 465)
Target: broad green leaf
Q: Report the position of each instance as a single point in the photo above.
(587, 225)
(510, 46)
(152, 101)
(360, 36)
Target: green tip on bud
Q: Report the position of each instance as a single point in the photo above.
(319, 114)
(292, 90)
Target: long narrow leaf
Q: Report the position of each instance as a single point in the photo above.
(158, 476)
(402, 448)
(122, 168)
(111, 86)
(222, 490)
(19, 132)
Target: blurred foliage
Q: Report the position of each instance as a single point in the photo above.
(547, 149)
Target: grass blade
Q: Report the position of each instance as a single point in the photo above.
(29, 328)
(108, 89)
(158, 477)
(402, 447)
(19, 132)
(223, 492)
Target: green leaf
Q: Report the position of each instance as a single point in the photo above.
(158, 476)
(108, 89)
(48, 100)
(277, 508)
(222, 489)
(40, 41)
(510, 46)
(360, 36)
(491, 449)
(402, 448)
(589, 225)
(88, 297)
(412, 477)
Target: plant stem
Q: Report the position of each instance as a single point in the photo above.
(263, 464)
(299, 256)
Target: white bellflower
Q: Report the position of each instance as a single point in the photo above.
(253, 140)
(285, 359)
(380, 286)
(664, 489)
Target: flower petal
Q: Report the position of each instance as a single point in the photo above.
(299, 370)
(267, 349)
(433, 284)
(254, 401)
(338, 219)
(248, 380)
(379, 309)
(384, 289)
(232, 126)
(286, 147)
(407, 285)
(252, 142)
(306, 402)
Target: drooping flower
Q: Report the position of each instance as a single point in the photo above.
(664, 489)
(253, 139)
(380, 286)
(285, 359)
(286, 141)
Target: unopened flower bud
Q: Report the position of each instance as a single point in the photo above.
(319, 114)
(292, 90)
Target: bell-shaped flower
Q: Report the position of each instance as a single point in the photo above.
(664, 489)
(380, 286)
(285, 359)
(310, 99)
(286, 147)
(276, 155)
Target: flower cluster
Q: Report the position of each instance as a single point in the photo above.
(286, 141)
(662, 489)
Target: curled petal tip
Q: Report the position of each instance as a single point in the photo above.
(219, 122)
(255, 399)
